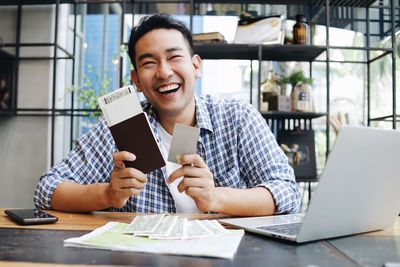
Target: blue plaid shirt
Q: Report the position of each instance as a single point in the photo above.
(235, 142)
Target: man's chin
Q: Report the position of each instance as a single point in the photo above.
(170, 112)
(173, 108)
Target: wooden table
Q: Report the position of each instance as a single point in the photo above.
(42, 245)
(88, 221)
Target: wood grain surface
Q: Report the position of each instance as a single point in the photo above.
(88, 221)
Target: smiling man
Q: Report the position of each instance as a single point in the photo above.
(238, 169)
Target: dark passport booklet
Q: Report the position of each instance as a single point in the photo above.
(135, 135)
(131, 129)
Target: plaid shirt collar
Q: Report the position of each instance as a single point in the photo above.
(202, 115)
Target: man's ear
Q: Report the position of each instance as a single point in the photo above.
(135, 80)
(197, 64)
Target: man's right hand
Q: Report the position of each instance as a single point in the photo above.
(124, 182)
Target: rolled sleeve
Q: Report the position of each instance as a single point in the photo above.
(265, 164)
(89, 162)
(45, 189)
(287, 198)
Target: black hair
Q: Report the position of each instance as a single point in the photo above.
(153, 22)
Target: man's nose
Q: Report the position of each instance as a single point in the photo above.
(164, 71)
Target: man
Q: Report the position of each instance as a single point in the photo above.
(238, 169)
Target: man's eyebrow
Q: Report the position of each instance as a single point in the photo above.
(145, 55)
(173, 49)
(168, 50)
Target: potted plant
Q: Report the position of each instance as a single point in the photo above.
(300, 96)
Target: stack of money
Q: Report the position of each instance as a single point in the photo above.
(165, 226)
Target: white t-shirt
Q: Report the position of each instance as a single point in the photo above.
(183, 203)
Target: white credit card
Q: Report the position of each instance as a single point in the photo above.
(120, 105)
(184, 141)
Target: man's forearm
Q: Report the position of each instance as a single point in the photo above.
(245, 202)
(70, 196)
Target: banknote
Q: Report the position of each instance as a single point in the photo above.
(179, 231)
(197, 229)
(214, 227)
(144, 225)
(164, 228)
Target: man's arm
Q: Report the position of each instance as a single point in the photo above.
(124, 182)
(70, 196)
(261, 167)
(198, 183)
(256, 201)
(263, 163)
(89, 178)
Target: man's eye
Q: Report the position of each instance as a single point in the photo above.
(176, 57)
(148, 63)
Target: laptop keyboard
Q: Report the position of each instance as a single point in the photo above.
(287, 229)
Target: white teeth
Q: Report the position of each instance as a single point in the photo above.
(167, 88)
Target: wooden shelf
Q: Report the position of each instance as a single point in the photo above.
(292, 115)
(307, 179)
(34, 2)
(274, 52)
(353, 3)
(6, 55)
(388, 118)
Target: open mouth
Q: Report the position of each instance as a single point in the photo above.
(168, 89)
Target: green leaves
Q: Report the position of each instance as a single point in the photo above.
(95, 84)
(295, 78)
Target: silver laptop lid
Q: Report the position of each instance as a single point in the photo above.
(359, 188)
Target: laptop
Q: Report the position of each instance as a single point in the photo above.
(358, 191)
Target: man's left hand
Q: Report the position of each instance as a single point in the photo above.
(197, 182)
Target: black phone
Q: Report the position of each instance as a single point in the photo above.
(30, 216)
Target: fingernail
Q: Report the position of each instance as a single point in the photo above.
(132, 157)
(120, 166)
(178, 158)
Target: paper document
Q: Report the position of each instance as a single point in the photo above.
(164, 226)
(119, 105)
(112, 237)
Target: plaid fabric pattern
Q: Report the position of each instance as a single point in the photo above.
(235, 142)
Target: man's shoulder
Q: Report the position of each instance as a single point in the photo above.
(231, 105)
(98, 130)
(147, 107)
(145, 104)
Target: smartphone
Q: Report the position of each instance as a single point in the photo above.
(30, 216)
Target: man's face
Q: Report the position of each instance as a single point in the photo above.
(166, 71)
